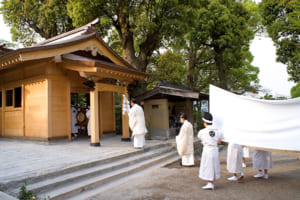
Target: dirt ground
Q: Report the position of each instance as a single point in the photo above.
(176, 182)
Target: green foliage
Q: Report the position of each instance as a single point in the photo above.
(8, 44)
(281, 17)
(295, 91)
(169, 67)
(142, 26)
(31, 19)
(218, 46)
(268, 96)
(25, 194)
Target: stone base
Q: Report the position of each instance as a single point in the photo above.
(126, 139)
(97, 144)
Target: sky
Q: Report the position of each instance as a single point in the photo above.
(273, 75)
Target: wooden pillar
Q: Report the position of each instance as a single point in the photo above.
(100, 110)
(125, 119)
(94, 104)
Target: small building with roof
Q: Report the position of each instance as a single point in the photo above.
(36, 84)
(163, 106)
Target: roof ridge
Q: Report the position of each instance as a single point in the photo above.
(86, 27)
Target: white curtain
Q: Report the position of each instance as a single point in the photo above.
(272, 124)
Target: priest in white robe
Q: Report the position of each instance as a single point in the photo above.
(74, 127)
(88, 116)
(137, 124)
(210, 165)
(262, 160)
(235, 161)
(185, 142)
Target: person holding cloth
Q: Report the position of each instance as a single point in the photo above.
(262, 160)
(235, 161)
(137, 124)
(185, 142)
(210, 165)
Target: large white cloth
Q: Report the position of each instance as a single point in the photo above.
(273, 124)
(88, 115)
(262, 159)
(137, 125)
(74, 128)
(210, 165)
(234, 158)
(185, 143)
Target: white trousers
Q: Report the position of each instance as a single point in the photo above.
(139, 141)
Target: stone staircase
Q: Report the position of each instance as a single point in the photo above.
(80, 182)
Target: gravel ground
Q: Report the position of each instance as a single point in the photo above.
(176, 182)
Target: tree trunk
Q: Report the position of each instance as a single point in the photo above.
(221, 69)
(191, 71)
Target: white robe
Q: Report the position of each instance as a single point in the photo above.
(210, 165)
(88, 115)
(138, 125)
(262, 159)
(234, 158)
(74, 128)
(185, 144)
(246, 152)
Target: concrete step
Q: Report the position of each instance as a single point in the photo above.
(84, 173)
(92, 193)
(72, 189)
(16, 184)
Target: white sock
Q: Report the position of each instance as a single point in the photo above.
(242, 174)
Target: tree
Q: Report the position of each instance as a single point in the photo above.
(142, 26)
(281, 18)
(7, 43)
(295, 91)
(218, 47)
(31, 19)
(170, 67)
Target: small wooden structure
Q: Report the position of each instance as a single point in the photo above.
(36, 83)
(163, 105)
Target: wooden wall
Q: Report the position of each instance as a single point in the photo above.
(59, 107)
(156, 114)
(107, 111)
(36, 111)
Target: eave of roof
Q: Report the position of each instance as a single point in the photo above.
(17, 54)
(169, 92)
(79, 60)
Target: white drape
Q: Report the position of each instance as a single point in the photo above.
(273, 124)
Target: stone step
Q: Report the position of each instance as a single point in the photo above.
(12, 185)
(84, 173)
(93, 193)
(70, 190)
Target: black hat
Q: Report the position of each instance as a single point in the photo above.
(207, 117)
(133, 100)
(183, 115)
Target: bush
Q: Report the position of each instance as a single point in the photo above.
(25, 194)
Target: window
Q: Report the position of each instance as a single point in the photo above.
(0, 99)
(9, 97)
(18, 97)
(155, 106)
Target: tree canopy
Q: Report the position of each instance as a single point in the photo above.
(30, 19)
(209, 39)
(217, 46)
(170, 67)
(281, 18)
(295, 91)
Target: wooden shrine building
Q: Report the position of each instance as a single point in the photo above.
(163, 106)
(36, 83)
